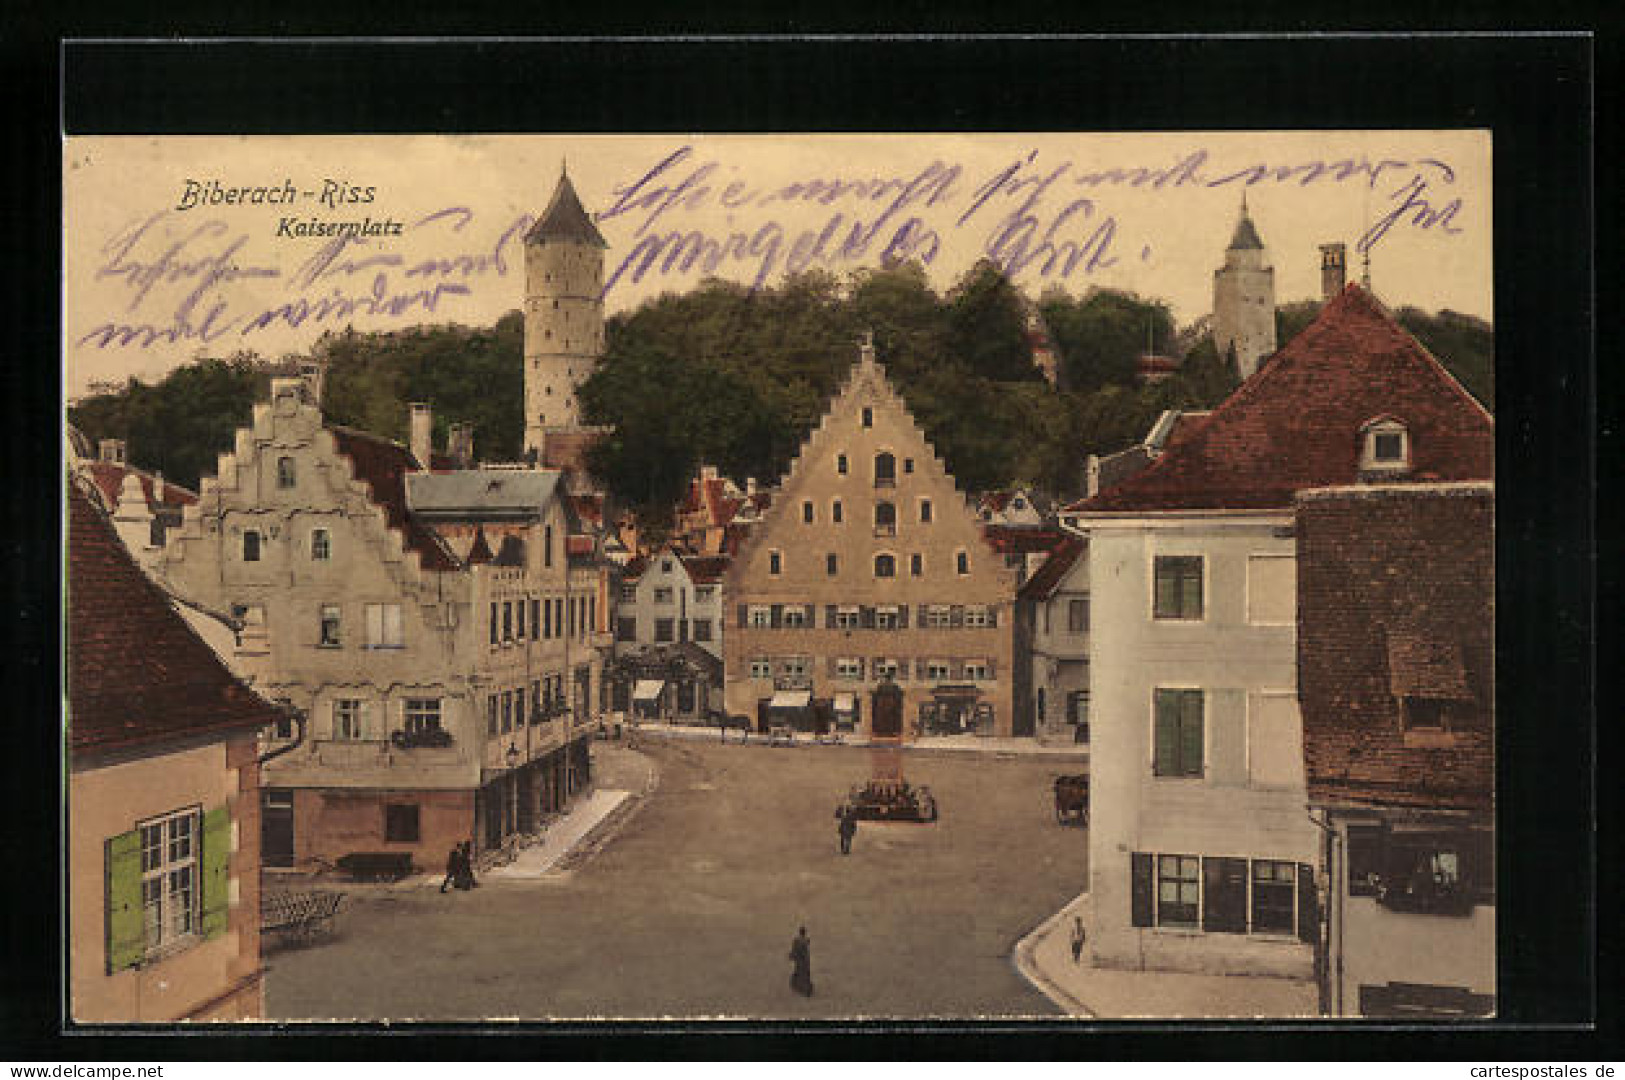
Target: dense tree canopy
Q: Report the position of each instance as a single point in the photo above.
(732, 377)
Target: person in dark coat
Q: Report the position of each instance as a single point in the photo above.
(454, 867)
(848, 828)
(465, 876)
(1078, 938)
(801, 964)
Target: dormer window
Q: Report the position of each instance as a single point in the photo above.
(1385, 447)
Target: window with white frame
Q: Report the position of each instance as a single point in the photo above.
(330, 627)
(978, 671)
(886, 618)
(761, 668)
(321, 545)
(978, 615)
(384, 626)
(847, 667)
(938, 616)
(704, 594)
(1179, 890)
(1177, 592)
(663, 595)
(886, 669)
(761, 616)
(938, 670)
(848, 617)
(420, 715)
(629, 593)
(1272, 590)
(347, 720)
(794, 617)
(169, 877)
(795, 667)
(1385, 446)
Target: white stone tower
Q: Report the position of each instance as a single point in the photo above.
(1244, 298)
(564, 315)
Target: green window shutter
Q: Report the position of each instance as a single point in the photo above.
(1167, 734)
(1167, 604)
(215, 890)
(1190, 733)
(126, 929)
(1142, 888)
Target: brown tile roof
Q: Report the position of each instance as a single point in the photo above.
(137, 673)
(480, 551)
(634, 568)
(1042, 585)
(705, 569)
(383, 466)
(109, 478)
(1296, 423)
(1396, 598)
(577, 544)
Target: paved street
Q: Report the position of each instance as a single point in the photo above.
(690, 909)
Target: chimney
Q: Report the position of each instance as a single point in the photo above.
(708, 472)
(460, 444)
(422, 438)
(866, 347)
(158, 487)
(111, 451)
(750, 485)
(1333, 270)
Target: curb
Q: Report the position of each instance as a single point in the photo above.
(1059, 753)
(1027, 967)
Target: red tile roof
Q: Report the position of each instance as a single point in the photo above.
(1396, 598)
(634, 568)
(383, 465)
(137, 673)
(110, 479)
(1042, 585)
(1296, 423)
(590, 508)
(578, 544)
(1021, 539)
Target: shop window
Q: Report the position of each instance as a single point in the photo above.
(1179, 890)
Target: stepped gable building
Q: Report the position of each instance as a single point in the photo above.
(1244, 298)
(564, 326)
(439, 632)
(869, 565)
(1201, 855)
(1396, 679)
(163, 800)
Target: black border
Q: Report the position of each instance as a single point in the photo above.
(1534, 93)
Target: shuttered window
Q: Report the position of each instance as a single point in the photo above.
(1142, 889)
(1178, 587)
(1179, 890)
(167, 880)
(1178, 741)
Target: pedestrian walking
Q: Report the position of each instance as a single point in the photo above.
(1078, 938)
(454, 866)
(848, 828)
(801, 964)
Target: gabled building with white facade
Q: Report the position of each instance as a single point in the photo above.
(1202, 854)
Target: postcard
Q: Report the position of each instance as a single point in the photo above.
(782, 576)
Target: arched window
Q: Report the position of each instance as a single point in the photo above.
(885, 566)
(885, 519)
(885, 470)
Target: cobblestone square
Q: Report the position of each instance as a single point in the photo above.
(689, 909)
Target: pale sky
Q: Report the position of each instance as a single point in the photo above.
(148, 285)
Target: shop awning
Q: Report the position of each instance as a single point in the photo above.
(845, 702)
(790, 699)
(647, 690)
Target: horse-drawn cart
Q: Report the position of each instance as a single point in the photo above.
(1072, 800)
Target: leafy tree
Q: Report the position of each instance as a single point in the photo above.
(1101, 336)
